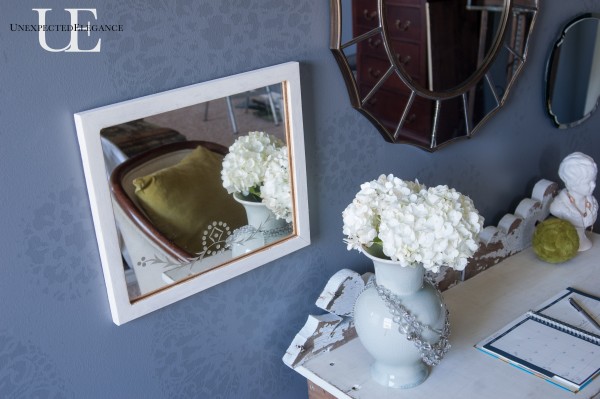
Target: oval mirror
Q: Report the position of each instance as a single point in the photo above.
(429, 72)
(573, 73)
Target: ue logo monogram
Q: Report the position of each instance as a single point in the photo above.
(73, 45)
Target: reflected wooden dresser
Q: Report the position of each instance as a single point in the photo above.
(435, 41)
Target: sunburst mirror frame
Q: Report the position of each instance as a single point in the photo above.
(509, 8)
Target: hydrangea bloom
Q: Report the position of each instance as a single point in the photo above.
(275, 191)
(413, 224)
(245, 165)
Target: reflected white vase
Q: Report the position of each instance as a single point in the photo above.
(259, 216)
(398, 362)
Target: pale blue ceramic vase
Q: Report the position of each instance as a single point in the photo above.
(397, 362)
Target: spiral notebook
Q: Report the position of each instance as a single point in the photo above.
(553, 341)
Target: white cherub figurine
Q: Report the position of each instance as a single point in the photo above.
(575, 202)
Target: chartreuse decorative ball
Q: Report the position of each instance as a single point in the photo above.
(555, 240)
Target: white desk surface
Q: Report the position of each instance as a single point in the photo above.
(478, 307)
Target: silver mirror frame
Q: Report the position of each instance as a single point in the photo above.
(430, 143)
(88, 125)
(552, 69)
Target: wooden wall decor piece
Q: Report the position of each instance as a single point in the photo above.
(316, 392)
(514, 231)
(328, 331)
(446, 278)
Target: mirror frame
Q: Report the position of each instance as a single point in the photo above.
(337, 48)
(88, 125)
(552, 68)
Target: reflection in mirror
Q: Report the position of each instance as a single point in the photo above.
(196, 185)
(174, 217)
(429, 72)
(573, 74)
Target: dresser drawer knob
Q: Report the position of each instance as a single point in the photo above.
(374, 73)
(374, 43)
(369, 16)
(403, 60)
(403, 26)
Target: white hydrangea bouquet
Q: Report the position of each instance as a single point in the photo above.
(257, 168)
(411, 224)
(276, 191)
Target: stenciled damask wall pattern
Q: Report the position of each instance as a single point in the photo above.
(57, 339)
(188, 350)
(173, 43)
(53, 232)
(28, 372)
(347, 140)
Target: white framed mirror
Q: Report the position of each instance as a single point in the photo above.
(168, 220)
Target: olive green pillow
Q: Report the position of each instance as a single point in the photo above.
(182, 201)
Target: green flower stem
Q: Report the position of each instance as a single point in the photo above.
(254, 194)
(376, 249)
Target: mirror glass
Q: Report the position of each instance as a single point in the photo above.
(429, 72)
(573, 75)
(195, 185)
(158, 245)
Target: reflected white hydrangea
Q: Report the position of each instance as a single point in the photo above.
(412, 224)
(276, 191)
(245, 165)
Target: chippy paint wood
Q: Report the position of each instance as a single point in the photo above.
(328, 331)
(478, 307)
(513, 234)
(446, 278)
(515, 231)
(89, 123)
(341, 292)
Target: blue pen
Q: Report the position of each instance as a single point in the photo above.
(585, 314)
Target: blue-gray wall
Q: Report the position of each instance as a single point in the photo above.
(56, 335)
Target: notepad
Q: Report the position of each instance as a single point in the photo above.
(553, 341)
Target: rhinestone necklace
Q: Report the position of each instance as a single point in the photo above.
(408, 325)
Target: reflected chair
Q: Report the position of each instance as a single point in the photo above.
(231, 114)
(140, 240)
